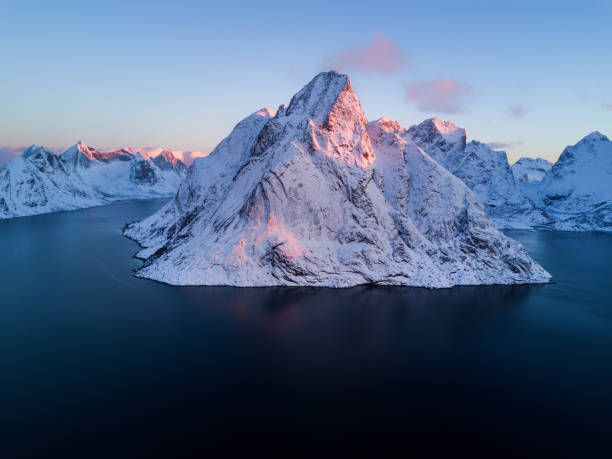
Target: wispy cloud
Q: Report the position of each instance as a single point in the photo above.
(441, 95)
(516, 110)
(607, 106)
(381, 56)
(500, 145)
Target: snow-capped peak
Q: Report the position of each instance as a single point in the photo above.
(269, 112)
(448, 129)
(388, 124)
(595, 136)
(440, 139)
(317, 98)
(79, 147)
(33, 150)
(328, 111)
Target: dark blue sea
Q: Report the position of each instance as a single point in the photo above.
(97, 363)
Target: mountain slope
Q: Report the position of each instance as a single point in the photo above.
(303, 197)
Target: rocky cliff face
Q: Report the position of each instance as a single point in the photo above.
(313, 195)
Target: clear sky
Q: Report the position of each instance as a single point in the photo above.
(534, 76)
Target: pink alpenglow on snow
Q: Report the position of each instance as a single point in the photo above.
(382, 56)
(187, 157)
(442, 95)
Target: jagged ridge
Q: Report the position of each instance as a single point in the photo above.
(39, 181)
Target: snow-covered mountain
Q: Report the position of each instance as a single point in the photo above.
(186, 157)
(575, 194)
(314, 195)
(39, 181)
(530, 170)
(577, 191)
(484, 170)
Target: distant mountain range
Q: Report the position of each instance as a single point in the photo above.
(573, 194)
(40, 181)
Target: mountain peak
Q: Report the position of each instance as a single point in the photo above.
(32, 150)
(317, 99)
(435, 126)
(595, 136)
(328, 112)
(267, 112)
(447, 129)
(170, 157)
(388, 124)
(440, 139)
(443, 126)
(78, 156)
(79, 147)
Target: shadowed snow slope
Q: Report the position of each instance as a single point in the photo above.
(39, 181)
(530, 170)
(484, 170)
(577, 191)
(304, 197)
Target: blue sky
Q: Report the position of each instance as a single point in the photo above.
(181, 74)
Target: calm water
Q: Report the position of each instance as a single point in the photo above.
(96, 362)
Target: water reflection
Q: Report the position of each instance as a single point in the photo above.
(438, 307)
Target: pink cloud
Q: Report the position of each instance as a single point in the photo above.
(381, 56)
(606, 106)
(516, 110)
(441, 95)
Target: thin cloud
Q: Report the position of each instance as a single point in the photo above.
(607, 106)
(516, 110)
(382, 56)
(441, 95)
(499, 145)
